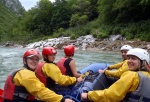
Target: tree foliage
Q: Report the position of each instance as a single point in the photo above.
(77, 17)
(61, 14)
(38, 20)
(117, 11)
(7, 20)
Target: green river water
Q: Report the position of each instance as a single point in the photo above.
(11, 58)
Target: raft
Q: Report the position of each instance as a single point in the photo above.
(92, 81)
(94, 67)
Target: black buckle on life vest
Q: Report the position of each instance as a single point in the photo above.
(138, 97)
(21, 95)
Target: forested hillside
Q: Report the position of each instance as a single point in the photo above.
(74, 18)
(10, 10)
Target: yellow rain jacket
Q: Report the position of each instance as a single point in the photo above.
(121, 68)
(52, 71)
(127, 83)
(33, 85)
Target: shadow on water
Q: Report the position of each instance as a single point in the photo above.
(11, 58)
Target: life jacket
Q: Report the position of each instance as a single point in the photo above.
(142, 93)
(64, 66)
(15, 93)
(48, 82)
(60, 65)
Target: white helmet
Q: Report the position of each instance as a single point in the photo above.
(126, 47)
(140, 53)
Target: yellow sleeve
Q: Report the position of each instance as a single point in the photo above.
(128, 82)
(52, 71)
(116, 66)
(33, 85)
(117, 73)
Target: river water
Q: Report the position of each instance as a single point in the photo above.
(11, 58)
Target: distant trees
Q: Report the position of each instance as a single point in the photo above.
(48, 17)
(38, 20)
(61, 14)
(80, 17)
(118, 11)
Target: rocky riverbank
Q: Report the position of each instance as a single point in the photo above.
(116, 45)
(88, 42)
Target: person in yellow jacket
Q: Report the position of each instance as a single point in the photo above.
(49, 73)
(22, 85)
(120, 67)
(132, 85)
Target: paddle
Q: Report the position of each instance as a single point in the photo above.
(1, 92)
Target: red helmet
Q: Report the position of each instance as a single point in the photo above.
(69, 50)
(32, 52)
(49, 51)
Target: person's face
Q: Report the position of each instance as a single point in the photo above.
(32, 62)
(52, 57)
(133, 62)
(123, 53)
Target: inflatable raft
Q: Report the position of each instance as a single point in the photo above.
(94, 67)
(92, 81)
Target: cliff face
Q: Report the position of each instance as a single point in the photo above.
(14, 5)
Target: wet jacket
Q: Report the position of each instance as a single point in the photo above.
(27, 79)
(64, 66)
(15, 93)
(128, 82)
(121, 68)
(50, 70)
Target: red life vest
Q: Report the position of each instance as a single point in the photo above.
(12, 91)
(39, 74)
(47, 81)
(61, 66)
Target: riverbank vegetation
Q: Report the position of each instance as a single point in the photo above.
(74, 18)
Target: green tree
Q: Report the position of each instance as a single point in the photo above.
(93, 9)
(42, 17)
(105, 10)
(74, 20)
(61, 14)
(118, 11)
(81, 13)
(38, 19)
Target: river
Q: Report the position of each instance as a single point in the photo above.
(11, 58)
